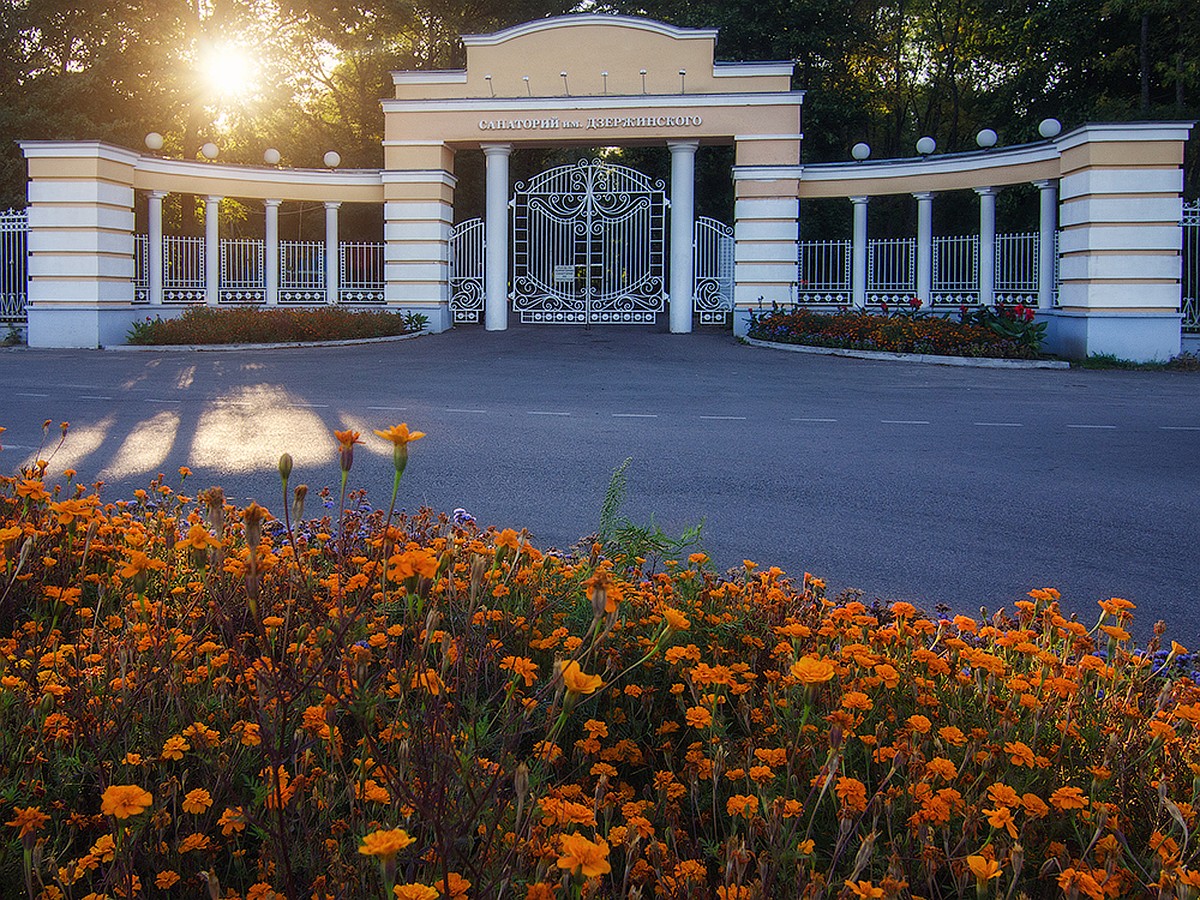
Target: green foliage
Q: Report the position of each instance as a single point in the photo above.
(625, 540)
(1014, 322)
(1184, 362)
(204, 325)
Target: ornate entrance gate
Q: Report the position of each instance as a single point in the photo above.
(588, 246)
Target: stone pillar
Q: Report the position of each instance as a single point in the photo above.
(1120, 188)
(331, 251)
(212, 250)
(766, 213)
(271, 252)
(683, 229)
(154, 248)
(495, 280)
(925, 247)
(987, 245)
(81, 265)
(858, 254)
(1047, 252)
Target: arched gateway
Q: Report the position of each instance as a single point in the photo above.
(596, 243)
(592, 243)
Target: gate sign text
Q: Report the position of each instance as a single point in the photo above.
(554, 123)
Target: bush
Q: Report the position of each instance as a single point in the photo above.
(1004, 333)
(249, 325)
(193, 692)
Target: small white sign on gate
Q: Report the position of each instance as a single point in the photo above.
(564, 273)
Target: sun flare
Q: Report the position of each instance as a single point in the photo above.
(230, 71)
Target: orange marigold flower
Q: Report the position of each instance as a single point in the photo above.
(984, 869)
(347, 439)
(522, 666)
(1116, 632)
(1004, 795)
(397, 434)
(580, 856)
(699, 717)
(852, 793)
(233, 819)
(676, 621)
(166, 878)
(812, 670)
(919, 724)
(943, 768)
(194, 841)
(29, 820)
(415, 891)
(1034, 806)
(1068, 798)
(1020, 753)
(1001, 817)
(577, 681)
(454, 886)
(198, 538)
(174, 747)
(385, 843)
(197, 801)
(124, 800)
(105, 848)
(864, 889)
(952, 736)
(742, 805)
(856, 700)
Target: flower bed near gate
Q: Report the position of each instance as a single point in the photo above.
(196, 698)
(1004, 334)
(250, 325)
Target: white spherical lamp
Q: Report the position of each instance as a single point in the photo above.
(1049, 128)
(333, 159)
(926, 145)
(860, 151)
(210, 150)
(154, 141)
(271, 156)
(986, 138)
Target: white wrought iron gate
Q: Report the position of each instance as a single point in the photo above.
(588, 246)
(1190, 286)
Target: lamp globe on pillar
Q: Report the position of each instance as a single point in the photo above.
(1049, 128)
(333, 159)
(154, 141)
(861, 151)
(986, 139)
(926, 145)
(271, 156)
(210, 150)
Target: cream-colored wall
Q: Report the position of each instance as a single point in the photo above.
(584, 47)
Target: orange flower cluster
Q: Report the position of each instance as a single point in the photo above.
(451, 712)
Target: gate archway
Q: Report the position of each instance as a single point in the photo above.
(588, 246)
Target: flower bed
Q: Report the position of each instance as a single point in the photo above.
(366, 704)
(205, 325)
(1006, 333)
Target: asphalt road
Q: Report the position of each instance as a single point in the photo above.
(939, 485)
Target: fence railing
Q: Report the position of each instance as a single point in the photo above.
(1017, 267)
(243, 271)
(360, 272)
(955, 270)
(823, 273)
(891, 270)
(183, 269)
(712, 271)
(1190, 286)
(466, 270)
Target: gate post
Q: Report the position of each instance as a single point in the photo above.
(925, 247)
(987, 245)
(495, 291)
(766, 211)
(683, 227)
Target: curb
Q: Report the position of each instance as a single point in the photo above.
(159, 348)
(927, 358)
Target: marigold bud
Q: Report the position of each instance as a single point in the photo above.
(285, 466)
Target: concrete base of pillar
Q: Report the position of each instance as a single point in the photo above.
(87, 327)
(1148, 337)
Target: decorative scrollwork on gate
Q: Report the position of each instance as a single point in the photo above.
(467, 271)
(589, 246)
(712, 263)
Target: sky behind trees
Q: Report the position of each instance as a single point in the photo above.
(305, 77)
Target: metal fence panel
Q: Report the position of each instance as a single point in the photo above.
(360, 272)
(14, 266)
(242, 271)
(955, 269)
(183, 269)
(712, 271)
(891, 270)
(302, 272)
(1190, 286)
(467, 270)
(823, 272)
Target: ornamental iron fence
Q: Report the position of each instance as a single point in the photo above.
(14, 265)
(360, 275)
(823, 272)
(712, 271)
(467, 271)
(1189, 295)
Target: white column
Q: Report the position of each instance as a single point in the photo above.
(271, 252)
(212, 251)
(495, 278)
(1048, 222)
(331, 251)
(987, 245)
(858, 254)
(925, 247)
(683, 229)
(154, 247)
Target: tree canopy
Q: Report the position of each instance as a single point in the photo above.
(305, 77)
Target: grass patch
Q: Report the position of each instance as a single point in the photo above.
(1184, 362)
(205, 325)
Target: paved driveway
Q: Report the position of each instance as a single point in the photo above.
(941, 485)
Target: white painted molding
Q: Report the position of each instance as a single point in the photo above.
(60, 149)
(1124, 131)
(268, 174)
(518, 107)
(942, 164)
(570, 21)
(429, 76)
(736, 69)
(419, 176)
